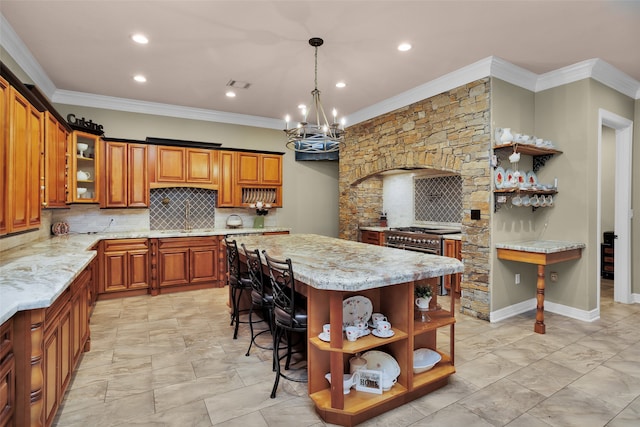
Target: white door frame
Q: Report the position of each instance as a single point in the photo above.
(623, 212)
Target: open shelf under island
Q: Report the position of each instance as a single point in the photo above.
(330, 270)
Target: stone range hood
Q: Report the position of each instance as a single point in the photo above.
(449, 132)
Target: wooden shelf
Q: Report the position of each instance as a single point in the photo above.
(356, 401)
(444, 368)
(361, 344)
(529, 149)
(438, 318)
(85, 159)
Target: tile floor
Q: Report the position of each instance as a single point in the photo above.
(170, 361)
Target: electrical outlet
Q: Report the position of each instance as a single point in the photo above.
(517, 278)
(553, 276)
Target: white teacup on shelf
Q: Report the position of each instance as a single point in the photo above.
(352, 333)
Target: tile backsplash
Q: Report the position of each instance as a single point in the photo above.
(438, 199)
(89, 218)
(168, 206)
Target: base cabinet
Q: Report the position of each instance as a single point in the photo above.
(50, 342)
(186, 263)
(453, 249)
(124, 266)
(372, 237)
(7, 374)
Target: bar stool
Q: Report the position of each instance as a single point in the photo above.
(238, 282)
(290, 316)
(261, 296)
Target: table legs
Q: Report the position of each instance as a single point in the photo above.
(539, 327)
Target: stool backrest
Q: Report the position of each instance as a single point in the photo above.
(282, 283)
(233, 262)
(254, 267)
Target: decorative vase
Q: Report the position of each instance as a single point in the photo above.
(506, 136)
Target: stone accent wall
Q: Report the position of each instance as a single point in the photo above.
(450, 132)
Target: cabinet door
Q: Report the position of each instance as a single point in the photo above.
(203, 265)
(199, 166)
(271, 170)
(452, 249)
(36, 175)
(55, 153)
(138, 176)
(225, 186)
(174, 267)
(18, 164)
(4, 160)
(66, 351)
(248, 168)
(115, 269)
(51, 372)
(116, 186)
(138, 266)
(171, 164)
(88, 162)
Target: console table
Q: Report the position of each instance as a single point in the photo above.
(541, 253)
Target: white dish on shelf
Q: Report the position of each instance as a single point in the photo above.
(324, 337)
(425, 359)
(499, 177)
(532, 179)
(381, 361)
(387, 334)
(356, 309)
(364, 332)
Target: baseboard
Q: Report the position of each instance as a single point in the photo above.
(551, 307)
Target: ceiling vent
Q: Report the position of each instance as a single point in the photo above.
(238, 84)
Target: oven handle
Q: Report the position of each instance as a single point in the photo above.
(411, 248)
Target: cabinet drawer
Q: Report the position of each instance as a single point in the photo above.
(119, 245)
(187, 242)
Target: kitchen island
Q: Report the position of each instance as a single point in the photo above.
(330, 270)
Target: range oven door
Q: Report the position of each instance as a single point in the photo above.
(431, 251)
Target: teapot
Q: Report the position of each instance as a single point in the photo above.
(83, 176)
(423, 302)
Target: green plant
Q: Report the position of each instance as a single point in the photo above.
(423, 291)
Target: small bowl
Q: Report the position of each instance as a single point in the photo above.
(81, 190)
(347, 382)
(425, 359)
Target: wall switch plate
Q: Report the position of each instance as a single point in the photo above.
(475, 213)
(553, 276)
(517, 278)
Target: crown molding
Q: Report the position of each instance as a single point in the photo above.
(22, 56)
(144, 107)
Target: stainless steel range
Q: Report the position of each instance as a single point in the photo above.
(419, 239)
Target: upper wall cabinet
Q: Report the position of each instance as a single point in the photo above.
(247, 178)
(126, 178)
(21, 149)
(187, 167)
(56, 167)
(85, 168)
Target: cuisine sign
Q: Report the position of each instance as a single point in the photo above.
(84, 124)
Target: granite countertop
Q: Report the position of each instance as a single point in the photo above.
(343, 265)
(374, 228)
(541, 246)
(34, 275)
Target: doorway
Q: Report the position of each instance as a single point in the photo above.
(622, 129)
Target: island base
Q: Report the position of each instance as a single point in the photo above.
(351, 418)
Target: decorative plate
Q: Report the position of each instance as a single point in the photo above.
(508, 176)
(381, 361)
(522, 178)
(532, 179)
(356, 309)
(389, 334)
(499, 177)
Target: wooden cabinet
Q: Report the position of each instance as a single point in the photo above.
(125, 266)
(21, 171)
(4, 145)
(397, 302)
(247, 177)
(126, 177)
(372, 237)
(85, 169)
(187, 262)
(191, 167)
(7, 374)
(607, 260)
(56, 168)
(452, 249)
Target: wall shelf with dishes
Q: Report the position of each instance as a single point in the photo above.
(521, 187)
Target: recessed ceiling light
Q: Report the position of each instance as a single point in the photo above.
(140, 78)
(403, 47)
(341, 84)
(230, 94)
(140, 38)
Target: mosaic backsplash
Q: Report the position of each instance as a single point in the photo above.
(438, 199)
(168, 206)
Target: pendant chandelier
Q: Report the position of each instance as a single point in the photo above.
(321, 136)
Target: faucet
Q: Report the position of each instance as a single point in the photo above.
(187, 216)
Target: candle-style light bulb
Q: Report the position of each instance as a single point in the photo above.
(335, 115)
(343, 122)
(286, 119)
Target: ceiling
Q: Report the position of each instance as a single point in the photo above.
(197, 47)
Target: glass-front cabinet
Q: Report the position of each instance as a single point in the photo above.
(85, 168)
